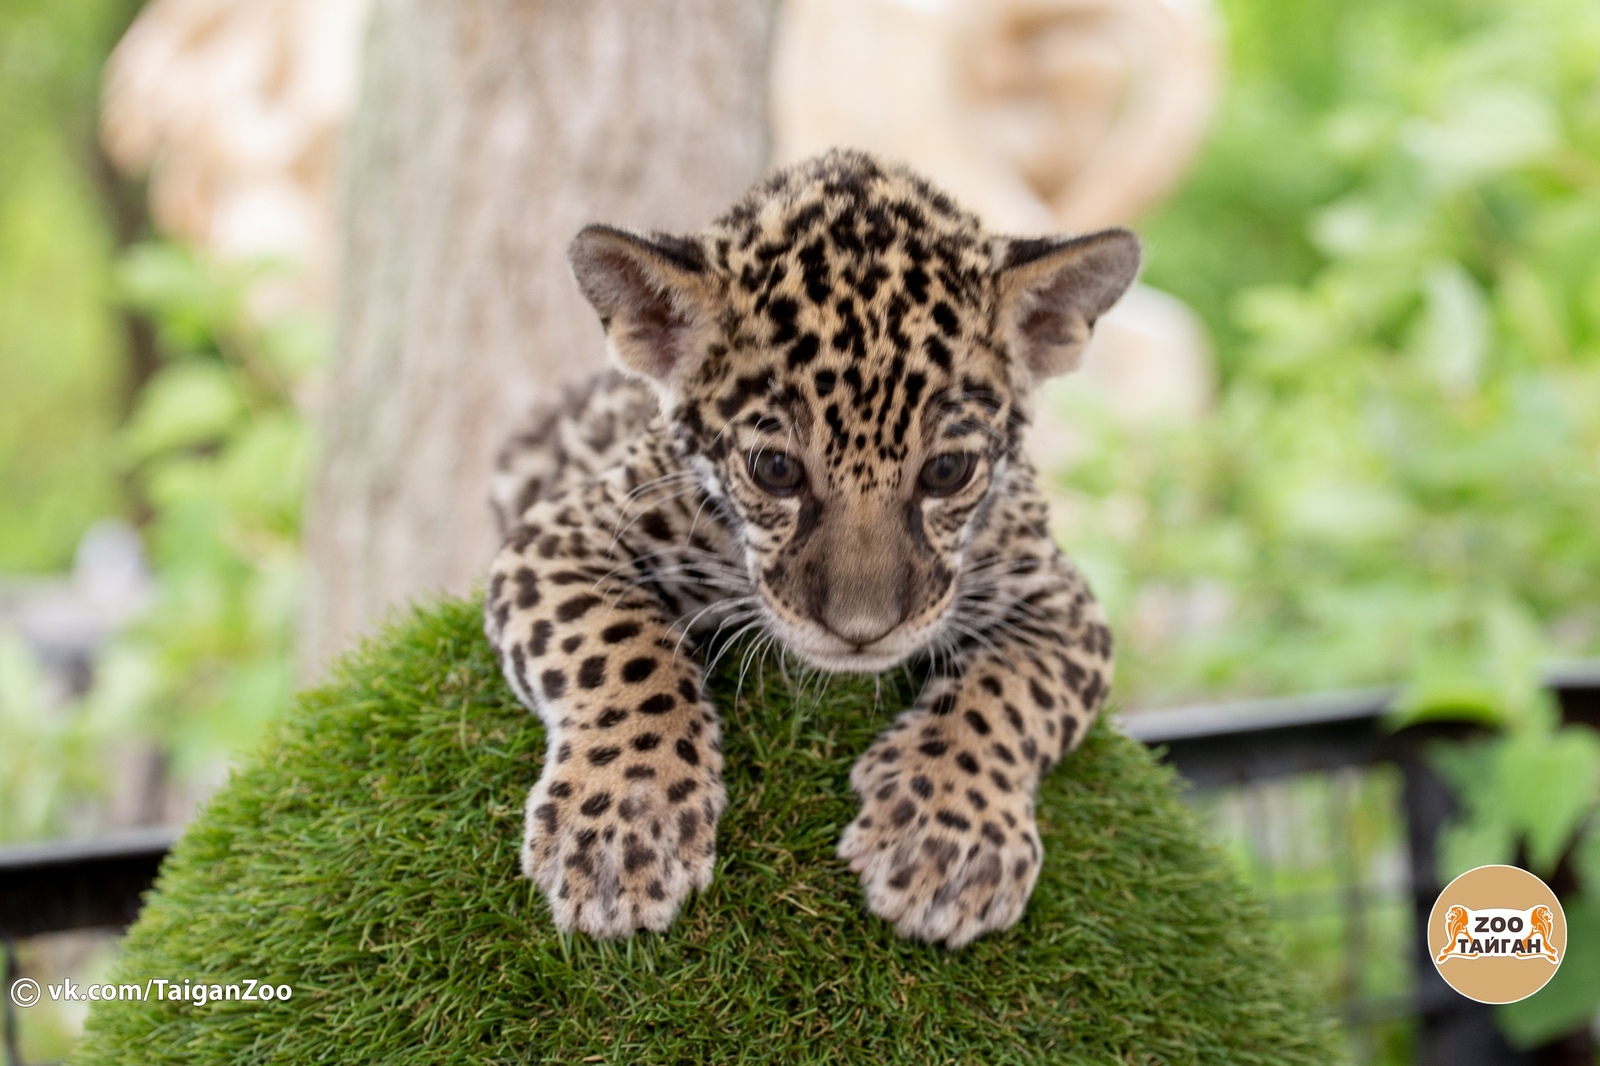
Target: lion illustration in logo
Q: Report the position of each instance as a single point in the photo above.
(1455, 920)
(1543, 921)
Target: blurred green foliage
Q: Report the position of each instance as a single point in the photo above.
(61, 365)
(217, 451)
(205, 450)
(56, 762)
(1395, 240)
(218, 448)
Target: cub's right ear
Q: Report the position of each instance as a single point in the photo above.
(653, 296)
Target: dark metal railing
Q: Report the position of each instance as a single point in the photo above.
(1231, 744)
(79, 884)
(100, 883)
(68, 885)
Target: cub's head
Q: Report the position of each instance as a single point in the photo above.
(844, 358)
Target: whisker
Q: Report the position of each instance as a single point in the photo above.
(732, 640)
(623, 513)
(667, 478)
(734, 606)
(744, 665)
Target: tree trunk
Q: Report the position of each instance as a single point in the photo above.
(488, 133)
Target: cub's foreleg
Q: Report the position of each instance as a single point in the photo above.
(946, 842)
(622, 822)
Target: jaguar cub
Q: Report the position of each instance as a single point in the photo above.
(817, 438)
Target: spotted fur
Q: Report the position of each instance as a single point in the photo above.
(799, 381)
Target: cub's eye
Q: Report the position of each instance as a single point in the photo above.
(777, 472)
(947, 473)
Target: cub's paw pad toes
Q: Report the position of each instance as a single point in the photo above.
(939, 875)
(612, 870)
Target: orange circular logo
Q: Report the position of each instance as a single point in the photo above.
(1497, 934)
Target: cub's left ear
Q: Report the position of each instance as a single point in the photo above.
(1053, 289)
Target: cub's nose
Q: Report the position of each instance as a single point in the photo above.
(860, 624)
(860, 576)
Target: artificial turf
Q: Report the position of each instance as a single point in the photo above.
(367, 857)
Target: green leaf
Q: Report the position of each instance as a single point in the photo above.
(262, 472)
(1482, 835)
(1453, 339)
(1549, 784)
(185, 404)
(1484, 129)
(1571, 998)
(169, 283)
(296, 344)
(1483, 840)
(1442, 690)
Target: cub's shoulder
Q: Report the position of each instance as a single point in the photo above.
(560, 442)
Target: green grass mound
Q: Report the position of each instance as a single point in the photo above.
(368, 859)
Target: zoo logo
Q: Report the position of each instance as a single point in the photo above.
(1474, 934)
(1497, 934)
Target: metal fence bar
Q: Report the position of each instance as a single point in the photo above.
(54, 887)
(1229, 743)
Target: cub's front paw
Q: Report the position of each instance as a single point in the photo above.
(616, 854)
(946, 847)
